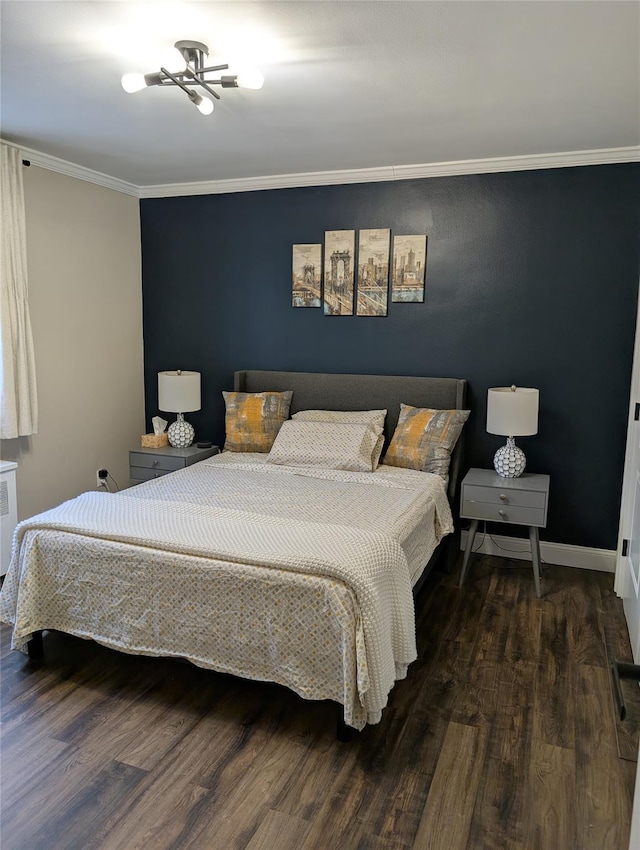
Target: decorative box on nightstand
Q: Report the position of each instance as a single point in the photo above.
(146, 464)
(520, 501)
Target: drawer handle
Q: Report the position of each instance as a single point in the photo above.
(156, 474)
(502, 513)
(155, 463)
(503, 498)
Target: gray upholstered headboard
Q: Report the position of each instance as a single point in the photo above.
(313, 390)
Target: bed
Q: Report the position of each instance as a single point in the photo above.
(300, 576)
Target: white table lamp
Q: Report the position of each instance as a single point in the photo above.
(512, 412)
(179, 392)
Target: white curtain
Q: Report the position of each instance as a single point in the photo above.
(18, 400)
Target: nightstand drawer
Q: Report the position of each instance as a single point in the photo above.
(518, 514)
(506, 496)
(155, 461)
(144, 473)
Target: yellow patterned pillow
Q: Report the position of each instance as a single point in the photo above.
(424, 439)
(252, 420)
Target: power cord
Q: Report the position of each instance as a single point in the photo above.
(109, 475)
(484, 534)
(477, 546)
(506, 549)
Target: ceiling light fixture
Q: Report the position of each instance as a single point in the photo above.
(196, 72)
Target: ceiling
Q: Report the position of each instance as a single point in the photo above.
(348, 85)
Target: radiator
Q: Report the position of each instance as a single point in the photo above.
(8, 511)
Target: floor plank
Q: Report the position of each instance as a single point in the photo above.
(501, 805)
(276, 830)
(154, 817)
(46, 812)
(604, 793)
(554, 688)
(447, 815)
(75, 825)
(552, 815)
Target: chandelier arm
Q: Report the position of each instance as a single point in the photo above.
(168, 82)
(197, 79)
(212, 68)
(176, 81)
(165, 78)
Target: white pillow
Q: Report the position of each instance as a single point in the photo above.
(330, 445)
(357, 417)
(373, 418)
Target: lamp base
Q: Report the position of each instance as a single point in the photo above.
(181, 433)
(509, 461)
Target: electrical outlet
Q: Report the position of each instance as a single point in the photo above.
(101, 477)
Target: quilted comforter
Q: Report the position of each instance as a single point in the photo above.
(289, 575)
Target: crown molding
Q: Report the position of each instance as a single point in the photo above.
(569, 159)
(70, 169)
(606, 156)
(273, 181)
(397, 172)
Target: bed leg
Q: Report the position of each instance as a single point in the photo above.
(452, 553)
(344, 733)
(34, 647)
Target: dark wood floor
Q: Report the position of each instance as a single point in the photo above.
(504, 735)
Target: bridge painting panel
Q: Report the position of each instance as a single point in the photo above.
(339, 251)
(373, 272)
(307, 281)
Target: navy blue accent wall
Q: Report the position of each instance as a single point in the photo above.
(532, 278)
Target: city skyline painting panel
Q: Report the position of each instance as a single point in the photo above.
(307, 276)
(339, 251)
(373, 272)
(408, 269)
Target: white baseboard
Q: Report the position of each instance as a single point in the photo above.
(562, 554)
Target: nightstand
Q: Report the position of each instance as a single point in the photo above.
(146, 464)
(518, 501)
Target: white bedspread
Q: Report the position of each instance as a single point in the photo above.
(236, 518)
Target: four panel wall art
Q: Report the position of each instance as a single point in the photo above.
(404, 259)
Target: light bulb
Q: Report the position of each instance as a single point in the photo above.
(133, 82)
(250, 79)
(203, 104)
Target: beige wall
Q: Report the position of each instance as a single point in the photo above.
(85, 296)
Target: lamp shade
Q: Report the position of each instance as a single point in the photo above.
(512, 411)
(179, 392)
